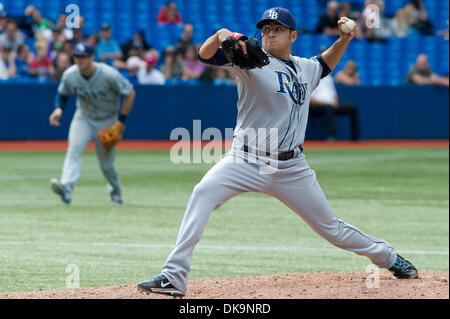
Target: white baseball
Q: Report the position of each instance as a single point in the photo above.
(348, 26)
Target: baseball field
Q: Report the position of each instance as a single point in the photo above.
(400, 194)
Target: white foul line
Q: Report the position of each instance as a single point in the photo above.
(212, 247)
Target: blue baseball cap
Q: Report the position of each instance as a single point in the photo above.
(83, 49)
(280, 15)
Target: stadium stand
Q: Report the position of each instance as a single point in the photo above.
(379, 63)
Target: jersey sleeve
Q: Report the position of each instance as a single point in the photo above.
(315, 68)
(65, 88)
(120, 84)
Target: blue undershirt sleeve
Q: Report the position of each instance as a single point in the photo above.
(217, 59)
(60, 101)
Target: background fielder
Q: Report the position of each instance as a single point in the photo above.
(98, 88)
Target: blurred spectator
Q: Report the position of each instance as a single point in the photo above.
(193, 67)
(78, 33)
(78, 36)
(136, 45)
(421, 73)
(222, 77)
(7, 63)
(3, 19)
(345, 10)
(349, 75)
(62, 63)
(133, 65)
(186, 38)
(33, 23)
(173, 67)
(68, 47)
(93, 40)
(209, 74)
(41, 66)
(12, 37)
(56, 45)
(26, 21)
(169, 14)
(41, 24)
(62, 25)
(374, 12)
(148, 74)
(399, 25)
(443, 33)
(417, 15)
(328, 23)
(325, 101)
(107, 49)
(23, 60)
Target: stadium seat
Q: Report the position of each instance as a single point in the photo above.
(128, 17)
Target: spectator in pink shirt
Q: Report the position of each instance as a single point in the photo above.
(193, 67)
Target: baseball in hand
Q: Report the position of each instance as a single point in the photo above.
(348, 26)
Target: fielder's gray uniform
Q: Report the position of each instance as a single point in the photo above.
(98, 104)
(276, 96)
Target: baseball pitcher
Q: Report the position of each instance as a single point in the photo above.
(98, 88)
(274, 90)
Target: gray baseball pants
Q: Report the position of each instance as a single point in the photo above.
(294, 183)
(83, 130)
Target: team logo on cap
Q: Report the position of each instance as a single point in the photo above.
(80, 47)
(272, 14)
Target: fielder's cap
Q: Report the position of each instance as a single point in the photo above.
(83, 49)
(106, 26)
(280, 15)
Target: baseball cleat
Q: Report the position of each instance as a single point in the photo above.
(160, 284)
(403, 269)
(116, 199)
(66, 197)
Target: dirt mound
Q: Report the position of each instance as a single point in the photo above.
(319, 285)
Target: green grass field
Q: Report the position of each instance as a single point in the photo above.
(400, 195)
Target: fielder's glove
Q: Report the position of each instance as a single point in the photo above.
(111, 135)
(255, 55)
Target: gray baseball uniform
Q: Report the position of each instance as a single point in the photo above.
(273, 99)
(98, 103)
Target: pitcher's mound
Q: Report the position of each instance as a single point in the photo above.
(318, 285)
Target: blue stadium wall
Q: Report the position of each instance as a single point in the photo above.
(401, 112)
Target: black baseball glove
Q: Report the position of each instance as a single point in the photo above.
(255, 55)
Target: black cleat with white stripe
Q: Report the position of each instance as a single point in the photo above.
(160, 284)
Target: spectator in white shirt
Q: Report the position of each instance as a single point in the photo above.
(148, 74)
(12, 37)
(325, 101)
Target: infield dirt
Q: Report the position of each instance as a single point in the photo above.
(318, 285)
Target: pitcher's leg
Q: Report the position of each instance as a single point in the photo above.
(79, 137)
(306, 198)
(224, 181)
